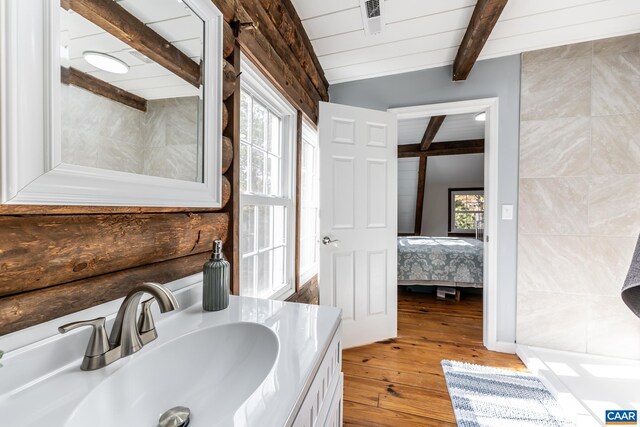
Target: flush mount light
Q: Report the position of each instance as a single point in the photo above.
(481, 117)
(105, 62)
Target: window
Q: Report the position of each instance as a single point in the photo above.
(466, 210)
(266, 189)
(308, 205)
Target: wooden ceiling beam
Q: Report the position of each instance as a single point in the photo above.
(72, 76)
(422, 175)
(117, 21)
(484, 18)
(432, 129)
(447, 148)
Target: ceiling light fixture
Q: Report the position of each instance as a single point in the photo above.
(481, 117)
(105, 62)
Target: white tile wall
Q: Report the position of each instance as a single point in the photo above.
(579, 210)
(102, 133)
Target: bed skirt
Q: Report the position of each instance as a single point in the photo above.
(438, 283)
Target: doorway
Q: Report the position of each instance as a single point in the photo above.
(490, 220)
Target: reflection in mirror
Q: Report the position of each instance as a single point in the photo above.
(131, 86)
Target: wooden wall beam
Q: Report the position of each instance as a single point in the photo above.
(117, 21)
(56, 254)
(470, 146)
(422, 175)
(261, 52)
(293, 13)
(430, 133)
(285, 17)
(229, 40)
(229, 79)
(484, 18)
(227, 153)
(228, 9)
(267, 28)
(72, 76)
(233, 132)
(31, 308)
(264, 56)
(307, 293)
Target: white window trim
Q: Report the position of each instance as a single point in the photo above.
(312, 270)
(254, 82)
(452, 195)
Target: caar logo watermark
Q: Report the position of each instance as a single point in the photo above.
(621, 417)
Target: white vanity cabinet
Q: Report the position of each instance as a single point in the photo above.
(322, 405)
(269, 372)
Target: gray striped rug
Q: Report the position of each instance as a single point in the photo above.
(491, 397)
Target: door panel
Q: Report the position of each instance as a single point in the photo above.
(343, 190)
(358, 212)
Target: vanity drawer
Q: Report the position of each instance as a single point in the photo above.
(334, 415)
(316, 405)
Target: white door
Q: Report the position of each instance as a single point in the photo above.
(358, 212)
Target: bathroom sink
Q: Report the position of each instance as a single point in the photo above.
(211, 371)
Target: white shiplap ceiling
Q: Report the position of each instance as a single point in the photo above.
(457, 127)
(172, 19)
(423, 34)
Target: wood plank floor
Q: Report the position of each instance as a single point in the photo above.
(399, 382)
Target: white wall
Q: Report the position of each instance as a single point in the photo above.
(407, 190)
(444, 172)
(498, 77)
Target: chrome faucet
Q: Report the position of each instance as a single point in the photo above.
(127, 336)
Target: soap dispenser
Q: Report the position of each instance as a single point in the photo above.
(215, 293)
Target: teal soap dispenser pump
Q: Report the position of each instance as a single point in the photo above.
(215, 281)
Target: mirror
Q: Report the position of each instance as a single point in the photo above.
(132, 103)
(121, 109)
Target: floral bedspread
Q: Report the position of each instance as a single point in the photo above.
(443, 259)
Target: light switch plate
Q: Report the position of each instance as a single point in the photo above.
(507, 211)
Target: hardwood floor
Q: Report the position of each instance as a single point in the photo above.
(399, 382)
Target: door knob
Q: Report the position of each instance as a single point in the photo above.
(326, 240)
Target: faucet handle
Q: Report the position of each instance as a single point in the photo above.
(146, 325)
(99, 342)
(145, 321)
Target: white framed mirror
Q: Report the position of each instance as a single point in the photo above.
(111, 103)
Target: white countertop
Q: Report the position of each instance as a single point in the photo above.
(41, 382)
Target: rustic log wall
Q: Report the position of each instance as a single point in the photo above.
(55, 260)
(307, 293)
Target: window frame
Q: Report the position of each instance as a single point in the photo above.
(457, 191)
(309, 135)
(256, 84)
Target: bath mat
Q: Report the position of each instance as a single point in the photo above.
(491, 397)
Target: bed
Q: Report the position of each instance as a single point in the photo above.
(440, 261)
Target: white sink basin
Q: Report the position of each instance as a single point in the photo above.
(211, 371)
(247, 365)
